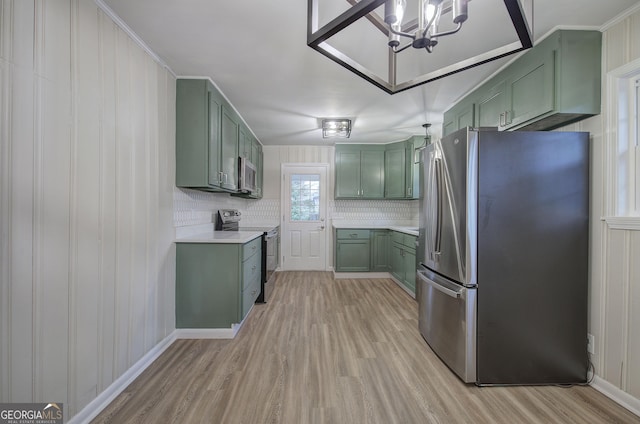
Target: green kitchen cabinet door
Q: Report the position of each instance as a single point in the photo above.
(491, 105)
(372, 176)
(347, 174)
(395, 172)
(396, 261)
(530, 88)
(409, 270)
(380, 241)
(207, 285)
(448, 124)
(198, 112)
(459, 116)
(229, 149)
(260, 165)
(215, 113)
(353, 255)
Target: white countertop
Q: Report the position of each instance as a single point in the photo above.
(230, 237)
(403, 229)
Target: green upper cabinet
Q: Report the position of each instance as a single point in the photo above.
(395, 171)
(521, 93)
(198, 112)
(359, 172)
(460, 116)
(210, 136)
(251, 149)
(553, 84)
(400, 175)
(259, 162)
(491, 105)
(378, 171)
(229, 149)
(530, 88)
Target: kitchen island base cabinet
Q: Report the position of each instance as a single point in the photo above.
(216, 284)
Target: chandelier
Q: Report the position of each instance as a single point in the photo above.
(433, 20)
(429, 14)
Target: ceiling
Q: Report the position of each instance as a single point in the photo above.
(256, 53)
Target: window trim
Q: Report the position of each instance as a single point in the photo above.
(622, 135)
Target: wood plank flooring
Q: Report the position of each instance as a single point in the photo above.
(335, 351)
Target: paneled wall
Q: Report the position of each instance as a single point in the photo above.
(615, 271)
(618, 311)
(86, 202)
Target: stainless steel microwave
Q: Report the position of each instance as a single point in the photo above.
(248, 174)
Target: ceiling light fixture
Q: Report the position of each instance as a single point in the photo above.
(423, 32)
(336, 127)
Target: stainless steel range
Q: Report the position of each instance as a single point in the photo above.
(229, 220)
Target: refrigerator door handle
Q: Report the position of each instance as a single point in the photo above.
(448, 292)
(439, 194)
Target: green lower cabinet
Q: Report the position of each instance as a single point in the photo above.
(409, 263)
(216, 284)
(403, 259)
(397, 262)
(353, 250)
(353, 256)
(361, 250)
(380, 241)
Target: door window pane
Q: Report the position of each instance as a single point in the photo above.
(305, 197)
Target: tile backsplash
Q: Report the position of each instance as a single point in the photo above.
(398, 212)
(193, 207)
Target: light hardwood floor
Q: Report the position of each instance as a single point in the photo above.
(335, 351)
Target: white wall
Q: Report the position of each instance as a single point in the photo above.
(86, 202)
(616, 316)
(615, 272)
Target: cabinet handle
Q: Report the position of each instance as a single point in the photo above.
(502, 120)
(220, 175)
(409, 190)
(253, 268)
(353, 235)
(507, 119)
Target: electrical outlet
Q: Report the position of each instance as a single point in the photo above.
(591, 344)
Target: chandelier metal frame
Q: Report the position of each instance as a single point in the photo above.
(317, 39)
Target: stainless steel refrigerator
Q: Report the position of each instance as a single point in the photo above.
(502, 273)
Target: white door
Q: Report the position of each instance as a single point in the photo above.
(304, 209)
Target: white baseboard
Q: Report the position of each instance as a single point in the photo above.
(208, 333)
(360, 275)
(96, 406)
(617, 395)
